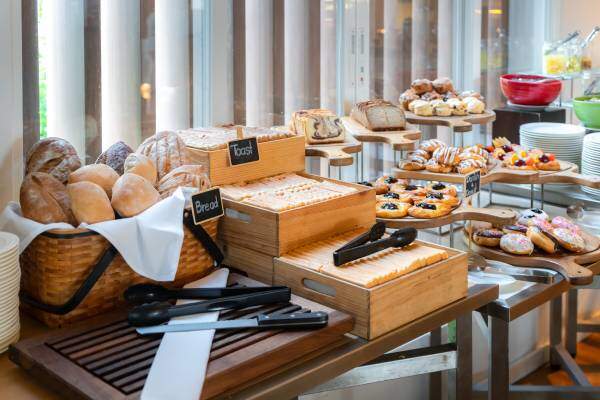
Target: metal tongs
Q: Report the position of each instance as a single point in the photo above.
(371, 242)
(158, 312)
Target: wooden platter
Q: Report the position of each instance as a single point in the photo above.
(104, 358)
(570, 265)
(458, 123)
(338, 154)
(569, 174)
(496, 216)
(398, 140)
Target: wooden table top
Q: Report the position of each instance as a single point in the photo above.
(18, 385)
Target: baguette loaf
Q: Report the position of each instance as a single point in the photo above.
(53, 155)
(90, 203)
(132, 194)
(100, 174)
(379, 115)
(318, 125)
(45, 199)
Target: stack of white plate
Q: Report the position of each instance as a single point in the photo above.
(564, 140)
(590, 160)
(10, 275)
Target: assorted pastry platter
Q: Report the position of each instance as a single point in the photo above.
(400, 204)
(535, 240)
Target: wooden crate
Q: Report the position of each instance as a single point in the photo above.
(384, 307)
(275, 233)
(276, 157)
(256, 265)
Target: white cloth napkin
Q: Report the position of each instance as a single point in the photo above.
(149, 242)
(179, 367)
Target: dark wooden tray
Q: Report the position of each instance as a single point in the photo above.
(105, 358)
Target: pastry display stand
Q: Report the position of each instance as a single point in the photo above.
(345, 360)
(457, 123)
(397, 140)
(500, 313)
(336, 154)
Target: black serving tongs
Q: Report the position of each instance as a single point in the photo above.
(148, 293)
(371, 242)
(156, 313)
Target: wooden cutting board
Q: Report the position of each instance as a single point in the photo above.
(399, 140)
(105, 358)
(338, 154)
(458, 123)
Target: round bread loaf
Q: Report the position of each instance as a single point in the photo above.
(141, 165)
(54, 156)
(100, 174)
(192, 176)
(115, 156)
(90, 203)
(132, 194)
(44, 199)
(166, 150)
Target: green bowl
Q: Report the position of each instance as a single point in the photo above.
(587, 111)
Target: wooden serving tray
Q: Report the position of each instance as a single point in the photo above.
(105, 358)
(381, 308)
(570, 265)
(276, 157)
(338, 154)
(275, 233)
(399, 140)
(458, 123)
(496, 216)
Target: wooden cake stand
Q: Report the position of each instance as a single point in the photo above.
(570, 265)
(338, 154)
(496, 216)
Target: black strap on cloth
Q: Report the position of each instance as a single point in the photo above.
(83, 290)
(108, 256)
(204, 238)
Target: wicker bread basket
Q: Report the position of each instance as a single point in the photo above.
(56, 263)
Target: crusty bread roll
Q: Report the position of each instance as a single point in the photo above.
(53, 155)
(115, 156)
(45, 199)
(89, 202)
(141, 165)
(185, 176)
(100, 174)
(132, 194)
(166, 150)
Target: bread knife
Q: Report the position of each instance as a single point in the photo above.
(311, 320)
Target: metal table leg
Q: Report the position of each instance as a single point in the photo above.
(464, 360)
(571, 333)
(498, 373)
(491, 193)
(555, 329)
(542, 196)
(435, 378)
(531, 192)
(451, 235)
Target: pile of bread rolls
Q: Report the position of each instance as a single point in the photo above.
(122, 183)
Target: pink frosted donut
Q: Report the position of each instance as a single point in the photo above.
(516, 243)
(562, 222)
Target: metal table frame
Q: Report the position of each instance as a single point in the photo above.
(502, 312)
(352, 352)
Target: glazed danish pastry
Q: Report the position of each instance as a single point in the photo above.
(393, 197)
(411, 190)
(470, 165)
(515, 243)
(446, 155)
(431, 145)
(442, 188)
(437, 198)
(428, 210)
(488, 237)
(414, 164)
(391, 210)
(433, 166)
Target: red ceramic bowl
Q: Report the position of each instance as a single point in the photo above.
(530, 90)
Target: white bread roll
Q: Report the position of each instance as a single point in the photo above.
(100, 174)
(89, 202)
(141, 165)
(133, 194)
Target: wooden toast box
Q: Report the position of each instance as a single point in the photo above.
(383, 307)
(254, 264)
(275, 233)
(276, 157)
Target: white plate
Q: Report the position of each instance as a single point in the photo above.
(553, 128)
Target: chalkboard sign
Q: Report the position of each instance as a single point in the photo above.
(472, 183)
(207, 205)
(243, 151)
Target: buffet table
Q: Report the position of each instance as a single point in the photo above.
(304, 375)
